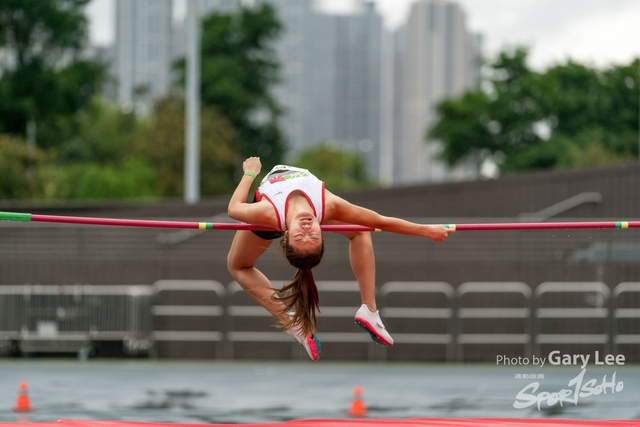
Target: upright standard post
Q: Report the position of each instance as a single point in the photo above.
(192, 107)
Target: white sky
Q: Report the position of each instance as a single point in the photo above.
(597, 32)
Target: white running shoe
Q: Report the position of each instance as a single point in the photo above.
(311, 343)
(370, 322)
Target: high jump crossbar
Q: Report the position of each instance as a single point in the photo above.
(27, 217)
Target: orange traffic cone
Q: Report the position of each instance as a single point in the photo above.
(23, 404)
(358, 409)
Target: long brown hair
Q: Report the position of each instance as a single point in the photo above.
(301, 295)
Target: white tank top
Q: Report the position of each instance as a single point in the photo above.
(283, 180)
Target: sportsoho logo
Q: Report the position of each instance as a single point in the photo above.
(579, 387)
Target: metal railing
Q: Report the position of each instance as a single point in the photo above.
(402, 317)
(182, 318)
(198, 319)
(623, 310)
(248, 322)
(47, 318)
(478, 314)
(562, 207)
(592, 303)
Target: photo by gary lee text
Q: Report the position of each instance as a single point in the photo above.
(556, 358)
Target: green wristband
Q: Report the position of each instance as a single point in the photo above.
(251, 174)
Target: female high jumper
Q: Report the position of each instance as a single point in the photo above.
(295, 202)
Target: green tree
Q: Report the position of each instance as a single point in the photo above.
(133, 178)
(339, 169)
(163, 145)
(102, 134)
(239, 70)
(47, 80)
(100, 159)
(19, 169)
(569, 115)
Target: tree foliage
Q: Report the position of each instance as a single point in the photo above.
(239, 70)
(115, 155)
(89, 149)
(569, 115)
(133, 178)
(19, 168)
(102, 134)
(99, 160)
(163, 146)
(46, 80)
(338, 168)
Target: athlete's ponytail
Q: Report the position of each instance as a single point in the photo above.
(301, 295)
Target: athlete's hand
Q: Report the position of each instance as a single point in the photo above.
(438, 233)
(252, 164)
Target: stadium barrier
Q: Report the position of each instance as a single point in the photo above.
(430, 321)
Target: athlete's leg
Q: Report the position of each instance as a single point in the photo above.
(245, 251)
(363, 264)
(362, 259)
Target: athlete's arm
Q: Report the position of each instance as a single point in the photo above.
(341, 210)
(239, 209)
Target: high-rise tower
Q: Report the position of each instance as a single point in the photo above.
(436, 58)
(142, 54)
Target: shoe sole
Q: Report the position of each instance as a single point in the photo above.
(374, 336)
(315, 347)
